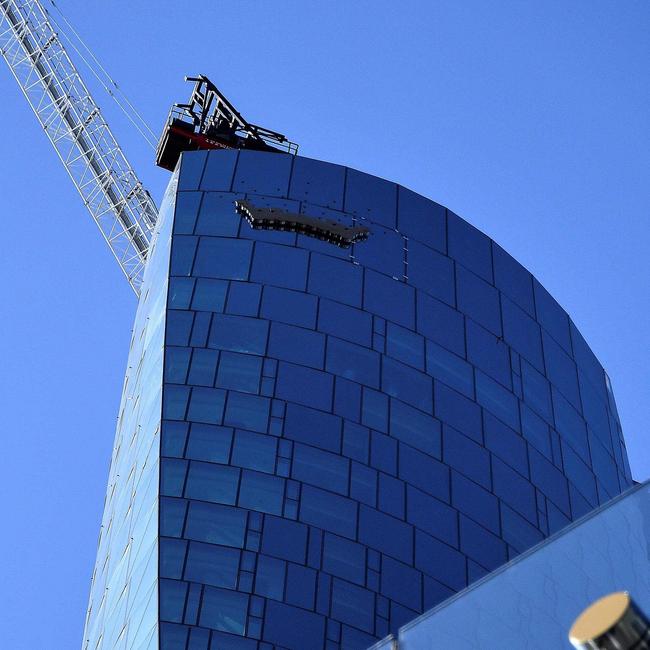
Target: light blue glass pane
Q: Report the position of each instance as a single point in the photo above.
(210, 482)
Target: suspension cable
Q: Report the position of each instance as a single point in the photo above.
(107, 82)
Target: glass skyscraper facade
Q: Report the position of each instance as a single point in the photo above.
(345, 436)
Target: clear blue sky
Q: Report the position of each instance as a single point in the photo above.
(529, 119)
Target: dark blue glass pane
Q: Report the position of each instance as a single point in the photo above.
(488, 353)
(401, 583)
(172, 476)
(186, 210)
(458, 411)
(259, 173)
(415, 428)
(390, 299)
(172, 557)
(254, 451)
(172, 600)
(392, 496)
(247, 411)
(404, 345)
(440, 323)
(180, 292)
(206, 405)
(483, 547)
(172, 516)
(469, 246)
(176, 364)
(344, 558)
(440, 561)
(175, 401)
(522, 333)
(371, 198)
(244, 298)
(261, 492)
(513, 279)
(289, 306)
(203, 367)
(216, 524)
(422, 219)
(212, 565)
(224, 610)
(239, 334)
(570, 425)
(217, 216)
(552, 317)
(468, 457)
(407, 384)
(345, 322)
(305, 386)
(209, 295)
(386, 534)
(353, 362)
(479, 300)
(178, 327)
(431, 272)
(433, 516)
(374, 410)
(285, 539)
(192, 164)
(450, 369)
(382, 251)
(515, 490)
(219, 169)
(218, 257)
(173, 437)
(297, 344)
(317, 182)
(497, 399)
(336, 279)
(270, 576)
(561, 370)
(239, 372)
(505, 443)
(537, 391)
(210, 482)
(320, 468)
(282, 266)
(353, 605)
(328, 511)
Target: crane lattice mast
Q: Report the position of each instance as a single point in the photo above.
(109, 187)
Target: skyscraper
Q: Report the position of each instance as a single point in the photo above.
(318, 441)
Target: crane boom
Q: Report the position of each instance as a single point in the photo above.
(108, 185)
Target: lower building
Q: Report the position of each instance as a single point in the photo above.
(533, 601)
(343, 405)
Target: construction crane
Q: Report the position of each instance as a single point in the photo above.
(108, 185)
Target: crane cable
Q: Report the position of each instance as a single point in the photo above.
(107, 82)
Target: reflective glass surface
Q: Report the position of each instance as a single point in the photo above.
(352, 435)
(533, 601)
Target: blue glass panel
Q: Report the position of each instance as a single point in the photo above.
(407, 384)
(217, 216)
(353, 362)
(239, 372)
(345, 322)
(206, 405)
(313, 427)
(458, 411)
(552, 317)
(210, 482)
(336, 279)
(570, 425)
(305, 386)
(498, 400)
(328, 511)
(537, 392)
(210, 295)
(424, 472)
(440, 561)
(270, 576)
(216, 524)
(374, 410)
(175, 401)
(466, 456)
(505, 443)
(431, 272)
(200, 329)
(580, 475)
(356, 441)
(261, 492)
(450, 369)
(522, 333)
(176, 363)
(259, 173)
(440, 323)
(289, 307)
(239, 334)
(513, 279)
(383, 453)
(382, 251)
(223, 609)
(517, 532)
(173, 438)
(404, 345)
(561, 370)
(219, 257)
(219, 169)
(317, 182)
(255, 451)
(282, 266)
(514, 490)
(392, 496)
(479, 300)
(285, 539)
(186, 210)
(347, 399)
(172, 557)
(482, 546)
(305, 631)
(386, 534)
(212, 565)
(389, 298)
(208, 442)
(301, 586)
(191, 169)
(244, 298)
(475, 502)
(172, 516)
(344, 558)
(469, 246)
(363, 484)
(433, 516)
(248, 411)
(297, 344)
(536, 431)
(353, 605)
(180, 292)
(489, 353)
(415, 428)
(549, 480)
(172, 600)
(422, 219)
(587, 362)
(203, 368)
(371, 198)
(320, 468)
(178, 327)
(401, 583)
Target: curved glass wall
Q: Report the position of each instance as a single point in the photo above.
(351, 435)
